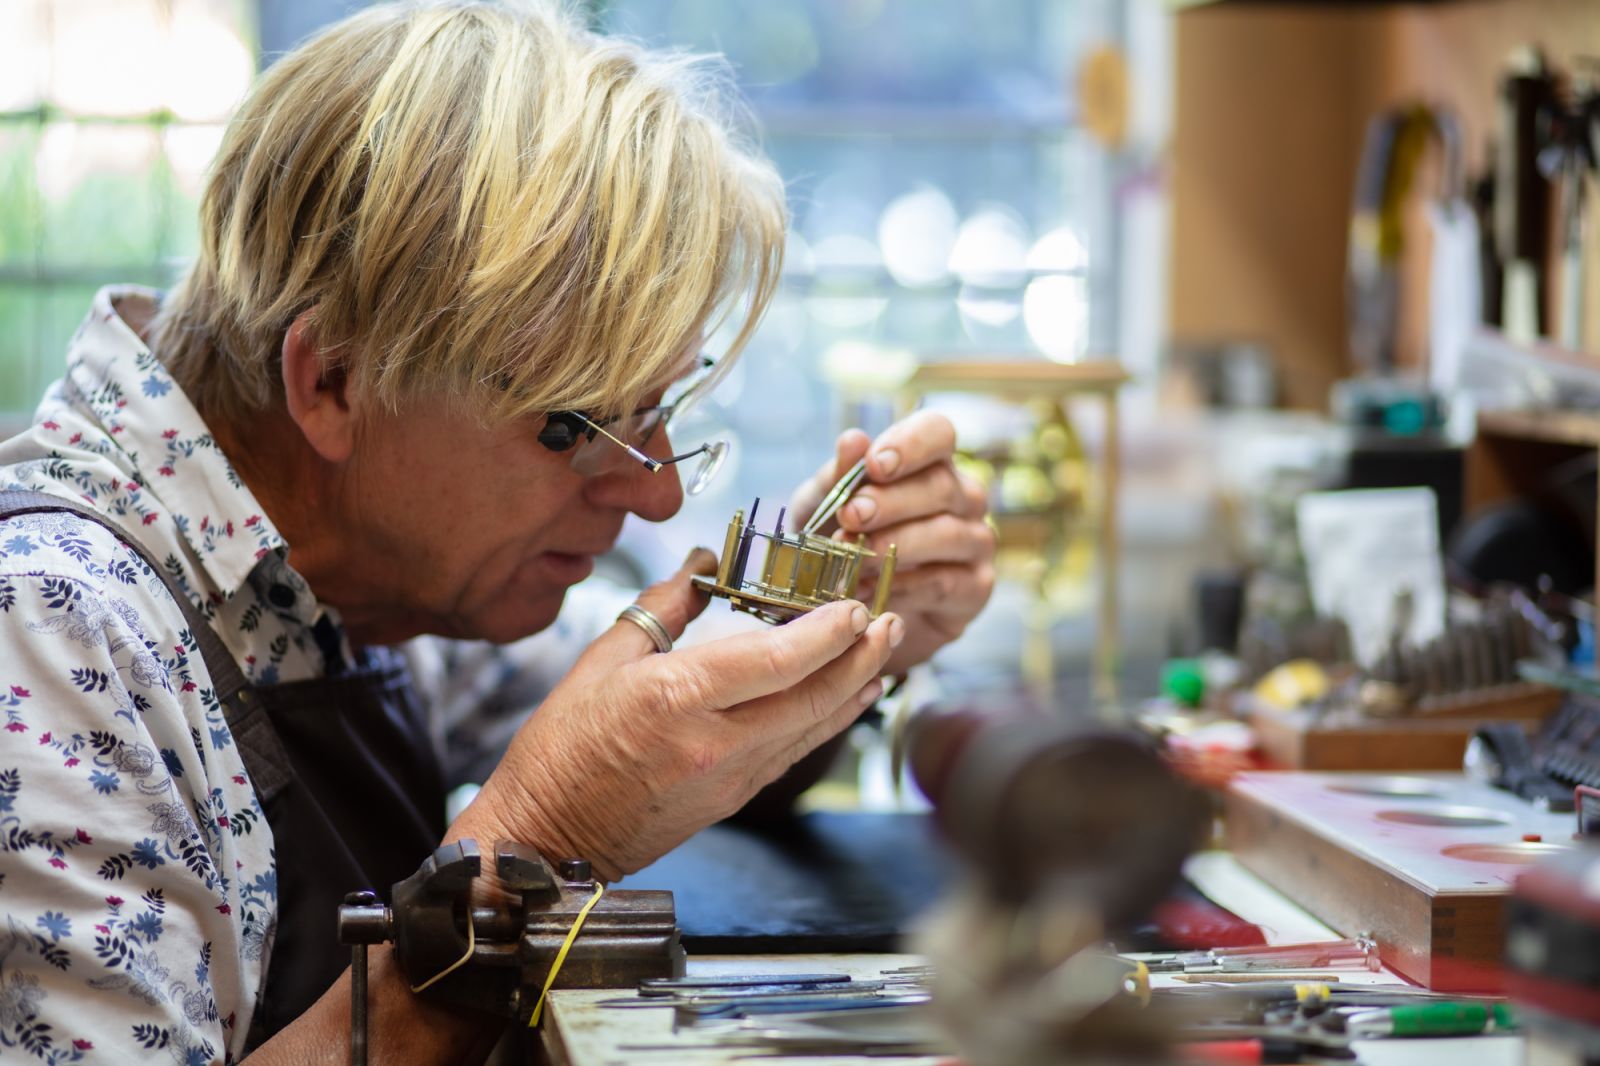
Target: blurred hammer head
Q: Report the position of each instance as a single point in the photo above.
(1044, 809)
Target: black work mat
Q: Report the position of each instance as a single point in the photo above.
(820, 882)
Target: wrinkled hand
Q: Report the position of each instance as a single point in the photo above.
(635, 750)
(915, 498)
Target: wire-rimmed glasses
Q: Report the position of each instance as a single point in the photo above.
(575, 431)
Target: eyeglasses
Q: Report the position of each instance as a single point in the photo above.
(575, 431)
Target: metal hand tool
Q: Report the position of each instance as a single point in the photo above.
(1359, 952)
(666, 986)
(836, 498)
(691, 1014)
(749, 993)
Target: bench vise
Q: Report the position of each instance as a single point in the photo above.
(496, 959)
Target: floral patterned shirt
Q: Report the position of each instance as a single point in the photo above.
(138, 884)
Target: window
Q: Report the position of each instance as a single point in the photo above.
(110, 111)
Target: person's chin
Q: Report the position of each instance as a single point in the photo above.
(520, 616)
(520, 620)
(531, 600)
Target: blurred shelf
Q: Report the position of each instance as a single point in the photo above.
(1581, 428)
(1514, 453)
(1544, 350)
(1019, 376)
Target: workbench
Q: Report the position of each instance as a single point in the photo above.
(582, 1032)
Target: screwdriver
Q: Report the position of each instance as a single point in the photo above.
(1264, 1051)
(1356, 953)
(1432, 1019)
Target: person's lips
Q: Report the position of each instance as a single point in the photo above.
(568, 567)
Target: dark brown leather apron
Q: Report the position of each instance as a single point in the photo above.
(345, 771)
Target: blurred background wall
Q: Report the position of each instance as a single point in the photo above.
(1272, 103)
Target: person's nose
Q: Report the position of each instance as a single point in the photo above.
(655, 497)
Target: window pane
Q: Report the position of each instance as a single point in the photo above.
(20, 312)
(65, 307)
(102, 196)
(211, 64)
(19, 218)
(110, 112)
(107, 57)
(131, 58)
(22, 74)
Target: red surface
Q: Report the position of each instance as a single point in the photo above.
(1228, 1051)
(1554, 997)
(1198, 924)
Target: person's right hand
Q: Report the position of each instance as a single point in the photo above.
(635, 751)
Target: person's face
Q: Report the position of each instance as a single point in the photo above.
(483, 531)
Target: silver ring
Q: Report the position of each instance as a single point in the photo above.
(650, 624)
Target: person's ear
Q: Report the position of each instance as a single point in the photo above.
(316, 392)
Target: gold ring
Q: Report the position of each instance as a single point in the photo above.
(650, 624)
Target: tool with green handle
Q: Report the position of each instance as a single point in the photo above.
(1432, 1019)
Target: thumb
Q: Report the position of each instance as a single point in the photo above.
(675, 602)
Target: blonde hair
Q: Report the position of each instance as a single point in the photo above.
(479, 199)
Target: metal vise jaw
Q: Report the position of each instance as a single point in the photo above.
(501, 965)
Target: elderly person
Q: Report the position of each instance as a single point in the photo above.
(457, 262)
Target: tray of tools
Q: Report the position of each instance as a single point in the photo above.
(1418, 706)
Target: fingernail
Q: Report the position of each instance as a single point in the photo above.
(897, 631)
(697, 558)
(869, 695)
(888, 461)
(862, 508)
(859, 619)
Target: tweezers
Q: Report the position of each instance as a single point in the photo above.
(836, 497)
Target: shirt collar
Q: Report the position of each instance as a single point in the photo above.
(171, 451)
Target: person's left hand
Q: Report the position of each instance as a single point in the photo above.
(915, 499)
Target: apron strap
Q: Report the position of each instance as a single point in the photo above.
(259, 746)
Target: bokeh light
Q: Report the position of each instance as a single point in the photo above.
(991, 248)
(1055, 309)
(1060, 251)
(918, 232)
(869, 367)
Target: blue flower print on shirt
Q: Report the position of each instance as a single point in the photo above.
(19, 545)
(147, 853)
(55, 923)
